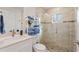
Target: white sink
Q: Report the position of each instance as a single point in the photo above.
(6, 40)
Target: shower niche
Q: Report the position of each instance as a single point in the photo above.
(33, 25)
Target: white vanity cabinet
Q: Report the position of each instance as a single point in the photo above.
(23, 46)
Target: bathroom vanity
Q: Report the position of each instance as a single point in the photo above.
(17, 43)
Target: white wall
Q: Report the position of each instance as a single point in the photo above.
(12, 18)
(29, 11)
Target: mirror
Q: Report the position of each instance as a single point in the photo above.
(15, 19)
(12, 17)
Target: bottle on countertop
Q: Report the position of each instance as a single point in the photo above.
(21, 32)
(13, 33)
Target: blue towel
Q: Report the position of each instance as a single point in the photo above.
(1, 24)
(33, 31)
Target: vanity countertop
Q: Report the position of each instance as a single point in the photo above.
(6, 40)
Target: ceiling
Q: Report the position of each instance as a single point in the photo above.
(46, 8)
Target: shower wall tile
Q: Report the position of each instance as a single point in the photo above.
(63, 39)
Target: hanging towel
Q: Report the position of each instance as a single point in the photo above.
(1, 24)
